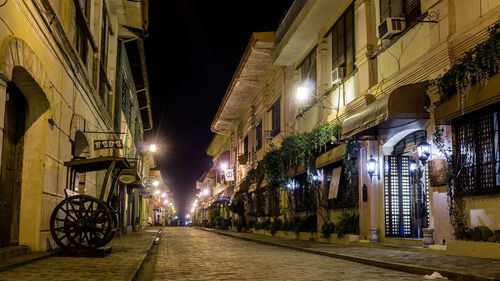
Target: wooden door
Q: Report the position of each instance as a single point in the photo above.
(11, 166)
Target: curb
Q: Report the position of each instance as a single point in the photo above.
(384, 264)
(134, 275)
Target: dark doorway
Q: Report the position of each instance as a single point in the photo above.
(12, 165)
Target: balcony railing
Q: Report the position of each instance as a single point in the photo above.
(288, 20)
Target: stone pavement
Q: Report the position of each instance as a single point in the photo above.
(453, 267)
(124, 262)
(192, 254)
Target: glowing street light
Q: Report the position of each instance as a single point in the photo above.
(157, 192)
(192, 210)
(156, 183)
(153, 147)
(163, 195)
(187, 217)
(165, 201)
(223, 166)
(205, 192)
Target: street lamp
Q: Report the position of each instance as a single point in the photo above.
(157, 192)
(153, 147)
(156, 183)
(165, 201)
(223, 166)
(205, 192)
(413, 166)
(163, 195)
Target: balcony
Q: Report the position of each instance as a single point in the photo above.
(300, 29)
(289, 19)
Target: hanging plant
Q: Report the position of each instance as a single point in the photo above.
(476, 66)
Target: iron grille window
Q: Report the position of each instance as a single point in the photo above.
(343, 41)
(409, 9)
(258, 135)
(477, 152)
(347, 196)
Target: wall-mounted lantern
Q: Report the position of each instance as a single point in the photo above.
(371, 166)
(423, 150)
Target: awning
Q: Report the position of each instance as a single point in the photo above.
(479, 97)
(405, 102)
(96, 164)
(331, 156)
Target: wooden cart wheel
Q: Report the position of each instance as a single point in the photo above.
(81, 223)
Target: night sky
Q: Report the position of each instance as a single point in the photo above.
(192, 51)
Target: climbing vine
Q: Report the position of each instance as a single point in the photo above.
(456, 203)
(476, 66)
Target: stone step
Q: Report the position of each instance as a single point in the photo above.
(13, 251)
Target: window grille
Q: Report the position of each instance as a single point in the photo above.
(477, 152)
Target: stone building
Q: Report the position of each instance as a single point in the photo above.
(370, 66)
(59, 78)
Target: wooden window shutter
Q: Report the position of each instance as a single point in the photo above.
(349, 39)
(340, 43)
(385, 9)
(334, 47)
(412, 10)
(397, 8)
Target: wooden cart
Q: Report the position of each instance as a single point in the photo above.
(83, 223)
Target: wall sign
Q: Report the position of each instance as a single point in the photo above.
(105, 144)
(126, 179)
(228, 173)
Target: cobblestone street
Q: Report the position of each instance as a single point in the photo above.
(192, 254)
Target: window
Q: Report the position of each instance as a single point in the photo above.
(82, 32)
(477, 150)
(275, 117)
(308, 67)
(258, 135)
(245, 145)
(343, 41)
(104, 85)
(409, 9)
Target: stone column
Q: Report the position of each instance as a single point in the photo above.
(365, 42)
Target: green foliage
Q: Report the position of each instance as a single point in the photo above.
(256, 175)
(300, 149)
(276, 225)
(327, 229)
(347, 222)
(349, 162)
(476, 66)
(237, 206)
(308, 224)
(264, 224)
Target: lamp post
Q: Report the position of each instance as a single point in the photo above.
(424, 151)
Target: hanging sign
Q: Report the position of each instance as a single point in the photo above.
(105, 144)
(228, 173)
(126, 179)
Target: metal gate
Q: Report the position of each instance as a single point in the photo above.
(398, 197)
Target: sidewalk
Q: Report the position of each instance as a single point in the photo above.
(124, 262)
(456, 268)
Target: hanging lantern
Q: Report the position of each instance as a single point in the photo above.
(413, 166)
(424, 151)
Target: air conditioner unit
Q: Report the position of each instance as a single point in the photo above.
(338, 74)
(269, 135)
(390, 27)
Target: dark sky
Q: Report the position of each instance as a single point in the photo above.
(192, 50)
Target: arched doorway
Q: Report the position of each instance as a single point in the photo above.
(405, 189)
(12, 165)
